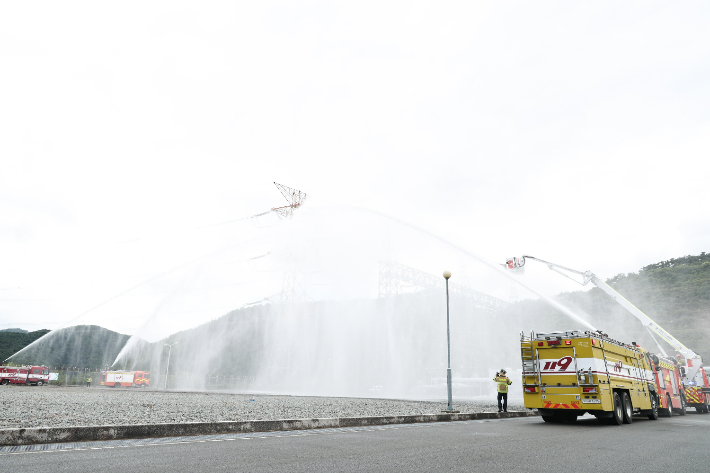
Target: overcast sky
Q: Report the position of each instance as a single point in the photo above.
(573, 131)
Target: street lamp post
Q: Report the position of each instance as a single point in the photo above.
(167, 370)
(450, 407)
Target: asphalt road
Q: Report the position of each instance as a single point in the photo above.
(524, 444)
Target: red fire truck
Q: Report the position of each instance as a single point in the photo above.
(669, 383)
(123, 378)
(37, 375)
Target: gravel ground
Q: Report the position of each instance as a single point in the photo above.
(51, 406)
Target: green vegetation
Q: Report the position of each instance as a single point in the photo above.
(11, 341)
(83, 346)
(676, 294)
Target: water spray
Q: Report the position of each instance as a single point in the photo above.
(494, 266)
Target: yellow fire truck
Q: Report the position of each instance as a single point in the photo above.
(568, 374)
(694, 380)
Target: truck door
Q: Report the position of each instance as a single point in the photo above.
(662, 373)
(636, 373)
(558, 366)
(641, 398)
(674, 384)
(615, 367)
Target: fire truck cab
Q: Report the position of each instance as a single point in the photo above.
(37, 375)
(568, 374)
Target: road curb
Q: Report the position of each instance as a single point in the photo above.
(115, 432)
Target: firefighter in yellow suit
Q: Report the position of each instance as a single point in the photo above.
(502, 382)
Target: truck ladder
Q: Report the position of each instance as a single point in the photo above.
(530, 361)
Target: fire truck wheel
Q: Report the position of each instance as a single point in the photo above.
(5, 382)
(653, 413)
(618, 417)
(682, 411)
(39, 383)
(116, 385)
(553, 418)
(628, 409)
(668, 411)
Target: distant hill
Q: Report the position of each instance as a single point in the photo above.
(82, 346)
(12, 341)
(14, 330)
(675, 293)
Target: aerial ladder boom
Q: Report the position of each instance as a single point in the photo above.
(694, 362)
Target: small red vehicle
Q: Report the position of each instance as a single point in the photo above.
(123, 378)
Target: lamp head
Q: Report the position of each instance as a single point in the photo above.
(447, 274)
